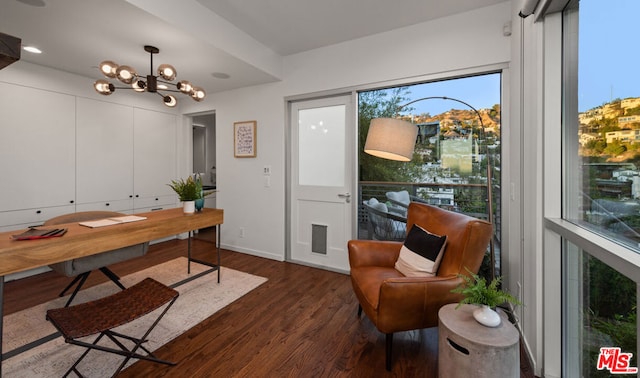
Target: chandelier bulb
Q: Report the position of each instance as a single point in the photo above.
(198, 94)
(126, 74)
(184, 87)
(108, 68)
(167, 71)
(103, 87)
(138, 85)
(170, 101)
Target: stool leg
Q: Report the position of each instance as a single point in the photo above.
(73, 368)
(133, 350)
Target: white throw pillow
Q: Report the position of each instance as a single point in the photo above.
(421, 253)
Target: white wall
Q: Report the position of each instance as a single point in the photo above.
(441, 47)
(444, 45)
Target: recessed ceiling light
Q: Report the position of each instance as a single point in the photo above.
(33, 3)
(32, 49)
(220, 75)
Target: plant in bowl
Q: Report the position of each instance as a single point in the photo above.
(488, 296)
(188, 191)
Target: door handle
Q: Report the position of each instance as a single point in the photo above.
(346, 196)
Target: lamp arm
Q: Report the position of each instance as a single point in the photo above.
(489, 179)
(443, 98)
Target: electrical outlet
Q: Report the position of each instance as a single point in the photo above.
(241, 232)
(266, 170)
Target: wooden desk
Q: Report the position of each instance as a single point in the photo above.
(79, 241)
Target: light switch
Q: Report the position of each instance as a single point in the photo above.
(267, 181)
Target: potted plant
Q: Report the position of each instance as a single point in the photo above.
(487, 296)
(189, 191)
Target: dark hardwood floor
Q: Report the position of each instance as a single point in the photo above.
(301, 323)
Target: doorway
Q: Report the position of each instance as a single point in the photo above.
(204, 153)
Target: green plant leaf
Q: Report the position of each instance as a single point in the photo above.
(476, 291)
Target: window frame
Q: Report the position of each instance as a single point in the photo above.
(560, 144)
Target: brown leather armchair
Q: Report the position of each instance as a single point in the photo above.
(395, 302)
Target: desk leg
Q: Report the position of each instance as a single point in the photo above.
(189, 252)
(218, 248)
(214, 266)
(1, 318)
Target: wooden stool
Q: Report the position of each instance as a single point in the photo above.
(102, 315)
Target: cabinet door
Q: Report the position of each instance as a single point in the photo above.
(104, 152)
(37, 148)
(154, 153)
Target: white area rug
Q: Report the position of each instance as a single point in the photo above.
(198, 300)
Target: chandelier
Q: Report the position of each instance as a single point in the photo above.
(149, 83)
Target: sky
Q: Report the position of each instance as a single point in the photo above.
(608, 52)
(478, 91)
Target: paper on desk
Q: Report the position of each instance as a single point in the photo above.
(112, 221)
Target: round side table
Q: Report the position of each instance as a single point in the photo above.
(467, 348)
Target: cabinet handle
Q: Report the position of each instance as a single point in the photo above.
(72, 201)
(156, 199)
(38, 211)
(159, 208)
(137, 196)
(107, 204)
(131, 196)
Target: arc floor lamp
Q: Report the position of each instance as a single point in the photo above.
(395, 139)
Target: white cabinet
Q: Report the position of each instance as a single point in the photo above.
(104, 173)
(37, 148)
(154, 158)
(20, 219)
(62, 153)
(126, 157)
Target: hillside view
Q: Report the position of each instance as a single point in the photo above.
(609, 145)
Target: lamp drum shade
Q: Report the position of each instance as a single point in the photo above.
(391, 138)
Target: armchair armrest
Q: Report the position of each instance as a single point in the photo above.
(417, 294)
(373, 253)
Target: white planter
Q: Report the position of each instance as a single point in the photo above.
(189, 207)
(486, 316)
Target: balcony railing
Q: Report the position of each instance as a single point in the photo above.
(470, 199)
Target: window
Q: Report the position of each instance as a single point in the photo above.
(456, 162)
(601, 192)
(606, 165)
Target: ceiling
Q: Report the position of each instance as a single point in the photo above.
(244, 39)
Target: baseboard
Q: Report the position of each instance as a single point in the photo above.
(252, 252)
(330, 269)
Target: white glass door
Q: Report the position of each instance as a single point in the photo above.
(321, 176)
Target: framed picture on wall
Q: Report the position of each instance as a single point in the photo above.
(244, 139)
